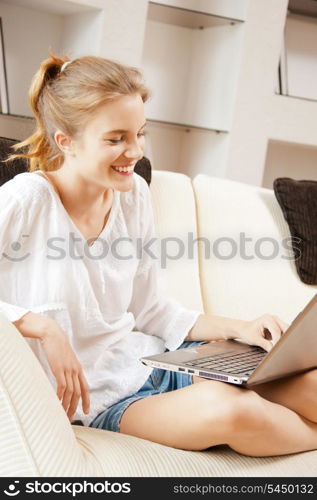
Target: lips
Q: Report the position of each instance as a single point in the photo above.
(123, 170)
(123, 166)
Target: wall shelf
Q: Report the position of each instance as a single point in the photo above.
(64, 27)
(298, 62)
(186, 126)
(192, 72)
(60, 7)
(191, 63)
(186, 18)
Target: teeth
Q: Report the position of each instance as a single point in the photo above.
(124, 169)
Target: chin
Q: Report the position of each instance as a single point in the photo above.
(126, 184)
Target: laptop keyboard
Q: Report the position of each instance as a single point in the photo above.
(242, 362)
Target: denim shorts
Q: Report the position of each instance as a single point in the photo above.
(159, 381)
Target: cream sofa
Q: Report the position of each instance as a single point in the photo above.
(36, 438)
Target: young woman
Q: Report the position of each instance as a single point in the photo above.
(89, 313)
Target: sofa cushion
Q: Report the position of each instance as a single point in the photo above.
(9, 169)
(298, 201)
(175, 224)
(250, 270)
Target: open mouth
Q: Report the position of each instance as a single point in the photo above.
(123, 170)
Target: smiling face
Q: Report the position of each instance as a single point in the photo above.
(113, 137)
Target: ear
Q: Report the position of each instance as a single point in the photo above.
(64, 142)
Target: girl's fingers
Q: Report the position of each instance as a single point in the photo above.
(61, 386)
(264, 343)
(84, 392)
(68, 394)
(283, 326)
(270, 324)
(76, 395)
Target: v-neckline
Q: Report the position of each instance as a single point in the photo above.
(110, 218)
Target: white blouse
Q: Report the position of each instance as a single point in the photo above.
(106, 297)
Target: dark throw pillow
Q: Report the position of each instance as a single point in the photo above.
(9, 169)
(298, 201)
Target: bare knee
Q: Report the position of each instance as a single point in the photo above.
(310, 377)
(224, 410)
(251, 420)
(309, 395)
(250, 412)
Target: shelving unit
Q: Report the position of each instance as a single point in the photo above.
(214, 106)
(296, 155)
(190, 61)
(63, 26)
(299, 52)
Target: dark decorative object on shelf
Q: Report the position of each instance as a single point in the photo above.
(9, 169)
(298, 201)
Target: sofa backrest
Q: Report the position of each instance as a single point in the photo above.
(175, 219)
(246, 278)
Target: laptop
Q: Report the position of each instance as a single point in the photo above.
(237, 363)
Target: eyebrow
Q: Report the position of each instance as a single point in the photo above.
(121, 131)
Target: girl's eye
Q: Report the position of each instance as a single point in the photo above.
(115, 141)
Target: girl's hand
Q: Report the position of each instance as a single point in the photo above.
(71, 381)
(264, 331)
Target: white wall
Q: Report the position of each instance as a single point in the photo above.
(204, 152)
(165, 143)
(285, 159)
(82, 34)
(123, 30)
(186, 150)
(166, 68)
(212, 79)
(257, 77)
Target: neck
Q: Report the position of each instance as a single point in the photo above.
(72, 188)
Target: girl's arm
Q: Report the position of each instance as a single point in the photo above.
(71, 382)
(69, 375)
(263, 331)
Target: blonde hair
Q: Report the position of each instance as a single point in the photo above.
(65, 98)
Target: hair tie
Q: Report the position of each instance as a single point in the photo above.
(64, 66)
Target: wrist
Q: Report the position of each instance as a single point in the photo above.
(210, 327)
(34, 325)
(233, 328)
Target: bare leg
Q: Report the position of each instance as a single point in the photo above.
(298, 393)
(210, 413)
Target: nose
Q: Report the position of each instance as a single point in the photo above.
(134, 150)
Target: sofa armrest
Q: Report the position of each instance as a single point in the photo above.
(36, 437)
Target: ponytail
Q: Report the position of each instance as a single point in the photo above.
(42, 152)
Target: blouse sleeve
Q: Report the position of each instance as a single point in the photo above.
(11, 228)
(154, 313)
